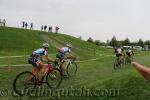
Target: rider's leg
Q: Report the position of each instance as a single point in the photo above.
(119, 59)
(43, 70)
(34, 73)
(63, 67)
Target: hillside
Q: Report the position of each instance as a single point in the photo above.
(14, 41)
(97, 74)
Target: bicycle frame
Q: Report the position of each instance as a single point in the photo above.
(50, 69)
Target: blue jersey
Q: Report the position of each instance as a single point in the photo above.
(40, 52)
(64, 50)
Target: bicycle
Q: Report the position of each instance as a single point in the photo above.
(118, 63)
(128, 60)
(22, 82)
(71, 66)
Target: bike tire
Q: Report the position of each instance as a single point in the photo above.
(69, 67)
(116, 65)
(20, 75)
(58, 79)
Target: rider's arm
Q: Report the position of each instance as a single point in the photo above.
(132, 52)
(69, 55)
(47, 57)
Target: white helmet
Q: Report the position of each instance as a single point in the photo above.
(45, 45)
(69, 45)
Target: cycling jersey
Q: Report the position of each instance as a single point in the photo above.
(64, 50)
(61, 52)
(34, 58)
(39, 52)
(119, 51)
(130, 51)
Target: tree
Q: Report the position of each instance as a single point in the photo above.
(126, 42)
(80, 37)
(90, 40)
(97, 42)
(147, 43)
(140, 43)
(113, 42)
(107, 42)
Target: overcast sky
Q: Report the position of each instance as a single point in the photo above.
(99, 19)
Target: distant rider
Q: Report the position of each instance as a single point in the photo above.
(62, 52)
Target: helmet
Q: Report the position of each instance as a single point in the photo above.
(69, 45)
(45, 45)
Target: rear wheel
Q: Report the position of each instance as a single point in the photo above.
(71, 69)
(22, 84)
(129, 60)
(54, 79)
(118, 65)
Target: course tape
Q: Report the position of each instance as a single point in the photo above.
(2, 57)
(76, 61)
(13, 56)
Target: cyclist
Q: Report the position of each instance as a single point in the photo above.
(36, 59)
(118, 52)
(62, 52)
(129, 53)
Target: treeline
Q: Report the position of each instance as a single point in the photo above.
(114, 42)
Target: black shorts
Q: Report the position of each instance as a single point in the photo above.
(33, 61)
(60, 56)
(128, 54)
(118, 55)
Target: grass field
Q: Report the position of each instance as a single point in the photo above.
(92, 75)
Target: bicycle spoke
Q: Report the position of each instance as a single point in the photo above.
(54, 79)
(22, 82)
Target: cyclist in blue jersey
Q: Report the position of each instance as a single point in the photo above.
(61, 56)
(36, 59)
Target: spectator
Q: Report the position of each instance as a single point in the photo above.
(143, 70)
(0, 22)
(26, 25)
(50, 29)
(45, 27)
(23, 24)
(56, 29)
(4, 22)
(31, 26)
(42, 28)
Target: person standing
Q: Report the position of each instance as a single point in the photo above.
(31, 26)
(23, 24)
(42, 28)
(56, 29)
(4, 22)
(45, 27)
(26, 25)
(0, 22)
(50, 29)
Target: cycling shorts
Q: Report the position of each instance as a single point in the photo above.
(60, 56)
(35, 61)
(128, 54)
(118, 55)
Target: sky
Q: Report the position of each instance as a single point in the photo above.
(99, 19)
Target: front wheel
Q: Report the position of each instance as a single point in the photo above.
(22, 84)
(71, 69)
(54, 79)
(118, 64)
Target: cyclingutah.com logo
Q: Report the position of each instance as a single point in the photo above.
(69, 92)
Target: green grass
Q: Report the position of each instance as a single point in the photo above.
(98, 74)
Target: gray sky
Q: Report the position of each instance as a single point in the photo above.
(99, 19)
